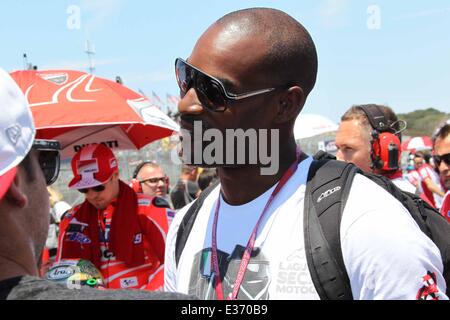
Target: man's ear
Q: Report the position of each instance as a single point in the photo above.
(15, 194)
(290, 105)
(115, 175)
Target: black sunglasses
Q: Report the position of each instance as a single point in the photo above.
(210, 91)
(438, 159)
(154, 180)
(99, 188)
(48, 158)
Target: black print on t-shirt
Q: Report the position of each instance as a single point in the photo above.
(255, 285)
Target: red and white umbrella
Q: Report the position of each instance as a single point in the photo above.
(77, 109)
(417, 144)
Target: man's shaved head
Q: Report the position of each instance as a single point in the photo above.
(291, 57)
(266, 65)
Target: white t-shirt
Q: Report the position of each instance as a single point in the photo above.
(385, 253)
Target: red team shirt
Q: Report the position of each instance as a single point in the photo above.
(418, 177)
(154, 224)
(415, 178)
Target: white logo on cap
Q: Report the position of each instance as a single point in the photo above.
(87, 166)
(14, 133)
(112, 163)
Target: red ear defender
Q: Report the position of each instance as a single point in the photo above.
(385, 144)
(136, 185)
(385, 151)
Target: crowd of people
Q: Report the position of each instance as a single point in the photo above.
(225, 231)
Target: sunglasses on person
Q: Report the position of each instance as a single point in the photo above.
(154, 180)
(210, 91)
(49, 159)
(99, 188)
(438, 159)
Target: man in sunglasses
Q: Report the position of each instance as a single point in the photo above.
(441, 159)
(151, 179)
(117, 229)
(27, 167)
(253, 70)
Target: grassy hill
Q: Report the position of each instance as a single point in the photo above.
(423, 122)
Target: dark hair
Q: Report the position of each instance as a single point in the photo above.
(292, 55)
(442, 133)
(206, 178)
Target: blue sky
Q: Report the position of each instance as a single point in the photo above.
(381, 51)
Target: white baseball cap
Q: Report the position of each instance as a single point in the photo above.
(17, 129)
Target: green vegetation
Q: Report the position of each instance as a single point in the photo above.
(423, 122)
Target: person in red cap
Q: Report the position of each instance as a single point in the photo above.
(123, 233)
(27, 167)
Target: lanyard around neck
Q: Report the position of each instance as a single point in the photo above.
(251, 242)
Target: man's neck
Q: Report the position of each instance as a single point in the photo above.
(244, 184)
(11, 268)
(16, 250)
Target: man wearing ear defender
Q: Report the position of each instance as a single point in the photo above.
(369, 136)
(118, 230)
(242, 88)
(151, 179)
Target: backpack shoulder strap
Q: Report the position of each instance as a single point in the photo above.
(188, 221)
(429, 220)
(327, 190)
